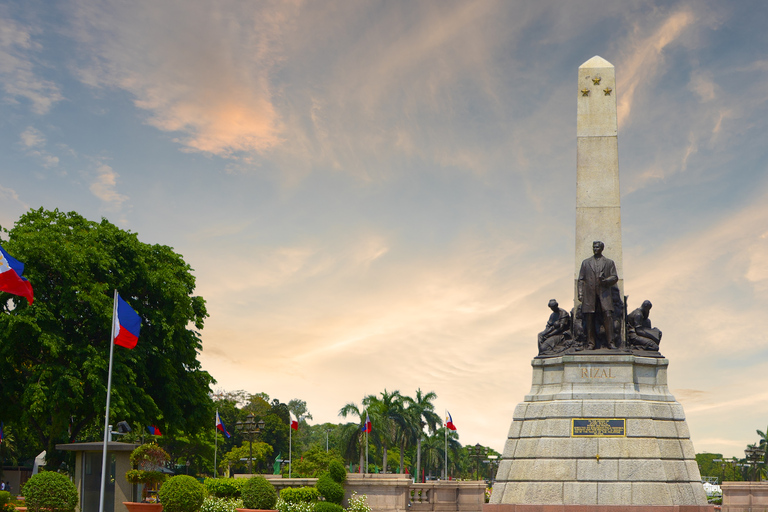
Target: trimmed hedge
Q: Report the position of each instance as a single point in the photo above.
(225, 487)
(300, 494)
(331, 490)
(50, 491)
(259, 493)
(324, 506)
(181, 493)
(338, 471)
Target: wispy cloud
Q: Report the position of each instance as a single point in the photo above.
(34, 141)
(103, 187)
(17, 68)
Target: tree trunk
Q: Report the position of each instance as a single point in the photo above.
(384, 462)
(418, 459)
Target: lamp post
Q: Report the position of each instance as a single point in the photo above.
(327, 431)
(250, 428)
(753, 456)
(476, 452)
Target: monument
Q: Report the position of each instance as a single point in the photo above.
(599, 429)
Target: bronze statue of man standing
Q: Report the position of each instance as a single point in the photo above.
(596, 277)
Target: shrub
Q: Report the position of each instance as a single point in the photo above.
(5, 498)
(300, 506)
(325, 506)
(181, 493)
(214, 504)
(224, 487)
(358, 503)
(259, 493)
(331, 490)
(50, 491)
(300, 494)
(338, 471)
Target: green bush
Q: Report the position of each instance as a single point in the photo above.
(49, 491)
(224, 487)
(181, 493)
(331, 490)
(259, 493)
(358, 503)
(338, 471)
(300, 506)
(324, 506)
(5, 498)
(300, 494)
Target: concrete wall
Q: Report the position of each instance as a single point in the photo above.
(745, 496)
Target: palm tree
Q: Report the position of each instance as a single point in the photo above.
(386, 412)
(434, 449)
(352, 434)
(424, 413)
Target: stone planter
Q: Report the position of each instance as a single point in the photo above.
(143, 507)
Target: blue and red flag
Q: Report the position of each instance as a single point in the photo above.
(11, 280)
(154, 430)
(2, 435)
(127, 325)
(294, 424)
(367, 425)
(220, 425)
(449, 422)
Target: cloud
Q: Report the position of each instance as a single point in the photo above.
(644, 57)
(103, 187)
(13, 206)
(34, 141)
(17, 68)
(200, 70)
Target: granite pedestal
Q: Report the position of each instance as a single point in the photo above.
(599, 430)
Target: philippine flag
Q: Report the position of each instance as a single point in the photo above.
(11, 280)
(154, 430)
(367, 426)
(294, 424)
(449, 422)
(127, 325)
(2, 435)
(220, 425)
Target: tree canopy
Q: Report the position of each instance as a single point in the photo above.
(54, 353)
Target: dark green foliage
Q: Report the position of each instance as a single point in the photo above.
(331, 490)
(325, 506)
(181, 493)
(337, 471)
(224, 487)
(54, 353)
(5, 498)
(50, 492)
(300, 494)
(259, 493)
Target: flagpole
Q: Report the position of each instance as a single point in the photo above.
(366, 441)
(215, 442)
(290, 446)
(106, 415)
(446, 445)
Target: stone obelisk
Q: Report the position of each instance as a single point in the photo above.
(599, 430)
(598, 202)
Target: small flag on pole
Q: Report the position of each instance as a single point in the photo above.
(2, 434)
(127, 324)
(220, 425)
(294, 424)
(367, 426)
(154, 430)
(11, 280)
(449, 422)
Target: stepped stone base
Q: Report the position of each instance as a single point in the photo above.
(598, 508)
(648, 460)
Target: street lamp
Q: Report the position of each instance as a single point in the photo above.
(250, 428)
(326, 439)
(476, 452)
(753, 455)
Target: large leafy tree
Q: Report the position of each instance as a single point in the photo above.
(54, 353)
(423, 411)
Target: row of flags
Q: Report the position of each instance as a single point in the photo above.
(367, 426)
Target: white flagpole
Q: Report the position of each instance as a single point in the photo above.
(106, 415)
(446, 445)
(366, 441)
(215, 441)
(290, 446)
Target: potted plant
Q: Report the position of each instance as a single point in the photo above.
(182, 493)
(147, 461)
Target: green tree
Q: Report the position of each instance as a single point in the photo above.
(352, 435)
(424, 412)
(54, 353)
(238, 457)
(387, 414)
(313, 462)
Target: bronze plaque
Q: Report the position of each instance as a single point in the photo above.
(598, 427)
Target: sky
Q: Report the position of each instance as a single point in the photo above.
(381, 195)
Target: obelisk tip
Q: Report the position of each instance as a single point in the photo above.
(596, 62)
